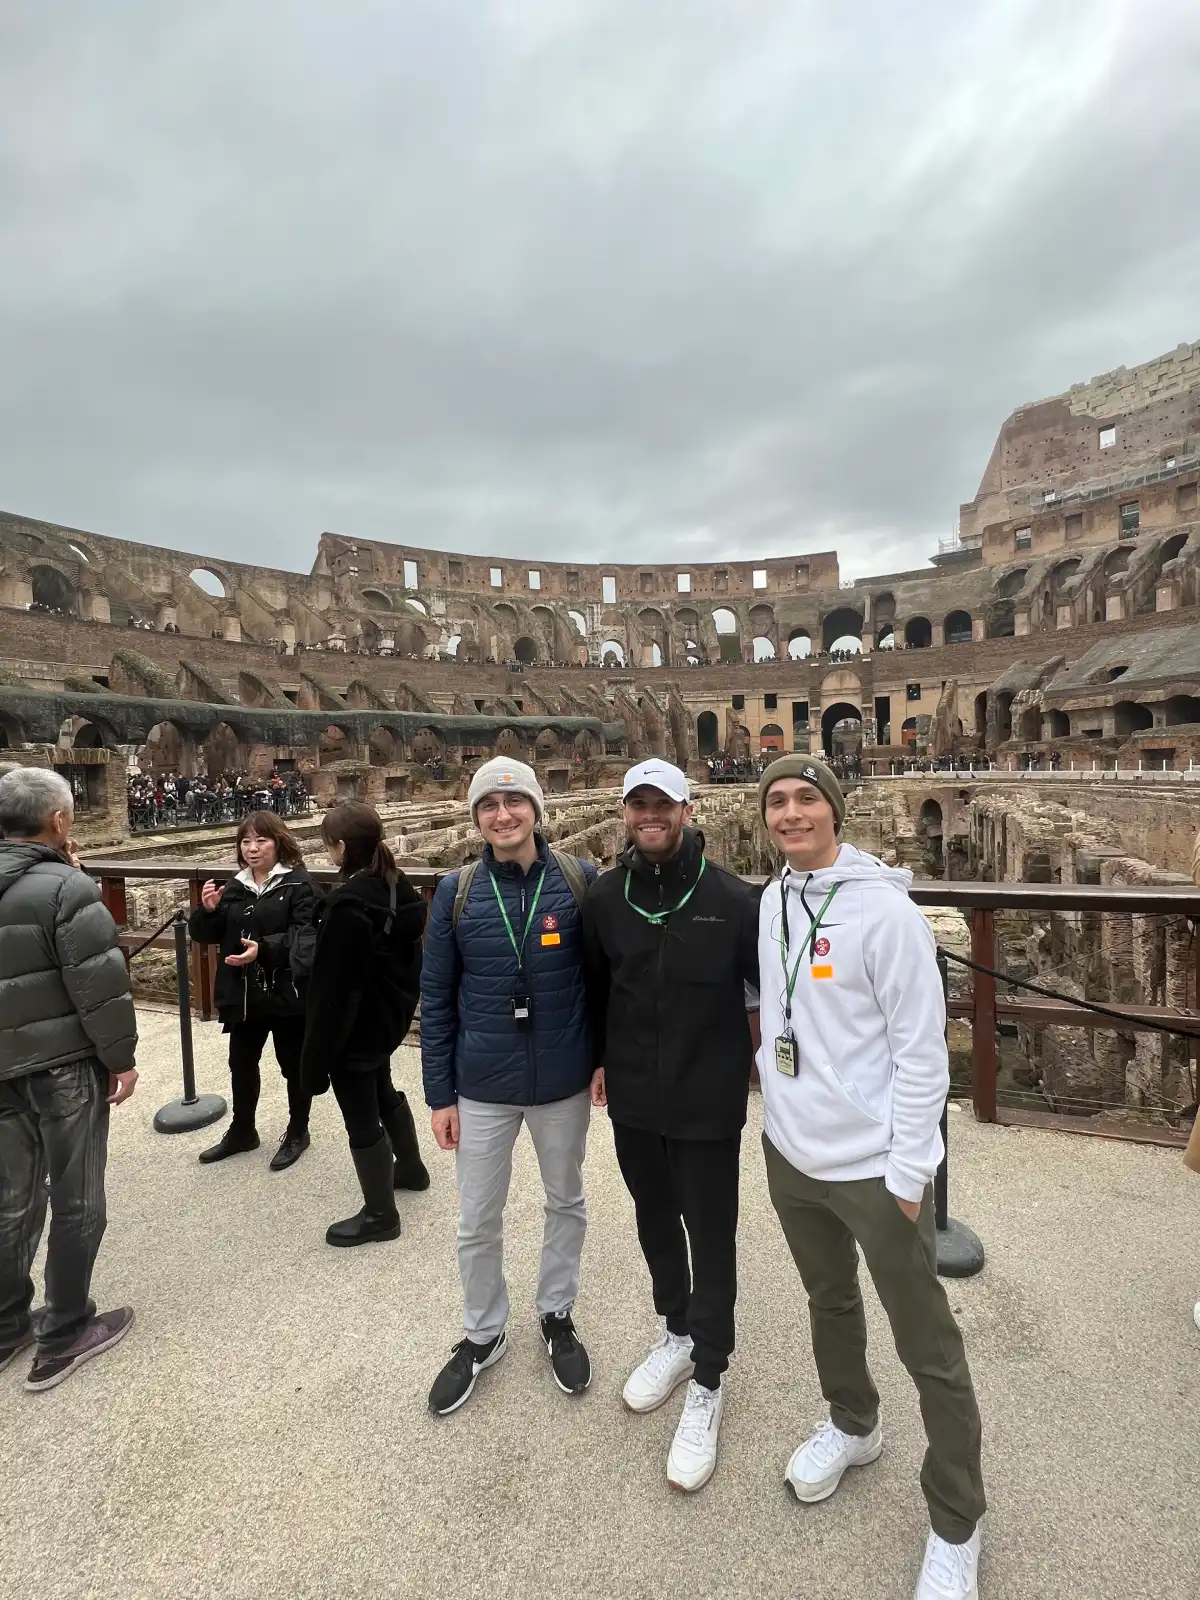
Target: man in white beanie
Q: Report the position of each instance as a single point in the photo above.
(506, 1040)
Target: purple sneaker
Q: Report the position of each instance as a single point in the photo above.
(10, 1352)
(101, 1332)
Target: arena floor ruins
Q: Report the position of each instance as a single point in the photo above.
(263, 1432)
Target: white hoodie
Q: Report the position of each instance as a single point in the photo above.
(870, 1028)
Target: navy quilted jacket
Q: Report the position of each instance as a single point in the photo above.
(470, 1044)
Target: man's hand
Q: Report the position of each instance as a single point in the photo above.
(210, 895)
(249, 954)
(599, 1090)
(121, 1085)
(71, 851)
(910, 1208)
(445, 1127)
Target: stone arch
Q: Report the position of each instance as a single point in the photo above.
(842, 711)
(908, 732)
(410, 638)
(729, 637)
(918, 633)
(1010, 584)
(929, 819)
(87, 736)
(222, 751)
(168, 748)
(1060, 725)
(612, 653)
(588, 745)
(1180, 709)
(547, 745)
(885, 639)
(375, 599)
(428, 745)
(849, 642)
(210, 582)
(1116, 561)
(1129, 717)
(981, 701)
(708, 733)
(450, 648)
(334, 744)
(770, 739)
(1029, 724)
(957, 627)
(652, 626)
(1169, 549)
(525, 650)
(12, 731)
(883, 616)
(580, 622)
(382, 748)
(845, 620)
(799, 645)
(1004, 727)
(509, 742)
(53, 588)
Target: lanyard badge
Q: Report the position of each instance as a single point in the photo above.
(787, 1049)
(521, 1003)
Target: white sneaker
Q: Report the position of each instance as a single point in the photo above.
(693, 1457)
(667, 1366)
(950, 1571)
(816, 1468)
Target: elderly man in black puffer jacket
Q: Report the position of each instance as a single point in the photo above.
(67, 1040)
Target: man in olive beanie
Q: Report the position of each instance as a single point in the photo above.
(810, 770)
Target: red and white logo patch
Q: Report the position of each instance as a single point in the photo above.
(821, 948)
(549, 923)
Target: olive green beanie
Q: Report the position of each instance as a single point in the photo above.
(811, 770)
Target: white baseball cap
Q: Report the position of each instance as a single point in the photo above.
(659, 775)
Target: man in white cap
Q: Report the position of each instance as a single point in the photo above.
(671, 942)
(506, 1040)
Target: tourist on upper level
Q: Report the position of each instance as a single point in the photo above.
(854, 1075)
(505, 1040)
(671, 944)
(254, 920)
(364, 955)
(67, 1039)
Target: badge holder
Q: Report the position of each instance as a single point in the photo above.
(522, 1012)
(787, 1055)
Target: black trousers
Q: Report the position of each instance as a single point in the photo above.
(692, 1185)
(246, 1042)
(364, 1098)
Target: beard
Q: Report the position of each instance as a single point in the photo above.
(665, 847)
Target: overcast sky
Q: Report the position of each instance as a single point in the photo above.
(591, 279)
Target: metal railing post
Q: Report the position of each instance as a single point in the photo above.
(984, 1065)
(192, 1111)
(959, 1251)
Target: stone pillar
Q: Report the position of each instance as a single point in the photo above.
(231, 627)
(95, 606)
(1020, 624)
(1166, 597)
(1064, 616)
(978, 630)
(287, 637)
(165, 613)
(939, 635)
(1114, 608)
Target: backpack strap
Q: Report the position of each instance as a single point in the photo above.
(571, 870)
(391, 916)
(466, 878)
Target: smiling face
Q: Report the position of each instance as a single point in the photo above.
(654, 822)
(506, 821)
(801, 823)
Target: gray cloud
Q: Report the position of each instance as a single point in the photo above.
(605, 280)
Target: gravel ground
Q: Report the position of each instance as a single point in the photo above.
(262, 1432)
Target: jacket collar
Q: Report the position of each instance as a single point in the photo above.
(246, 878)
(682, 868)
(510, 869)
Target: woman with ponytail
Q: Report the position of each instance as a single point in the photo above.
(362, 992)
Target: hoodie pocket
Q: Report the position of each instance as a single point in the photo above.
(854, 1094)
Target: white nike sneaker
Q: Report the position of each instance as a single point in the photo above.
(816, 1468)
(949, 1571)
(693, 1457)
(667, 1366)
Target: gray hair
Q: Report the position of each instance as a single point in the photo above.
(29, 796)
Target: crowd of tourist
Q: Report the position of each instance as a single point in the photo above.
(169, 800)
(723, 768)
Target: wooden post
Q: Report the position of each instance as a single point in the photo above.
(112, 892)
(983, 1017)
(202, 962)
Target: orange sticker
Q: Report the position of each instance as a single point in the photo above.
(552, 938)
(822, 972)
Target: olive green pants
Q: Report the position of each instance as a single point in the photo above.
(822, 1222)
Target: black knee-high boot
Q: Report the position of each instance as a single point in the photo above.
(410, 1171)
(378, 1218)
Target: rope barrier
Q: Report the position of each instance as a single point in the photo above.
(137, 950)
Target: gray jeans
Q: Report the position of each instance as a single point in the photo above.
(487, 1134)
(53, 1125)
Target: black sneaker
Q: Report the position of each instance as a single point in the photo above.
(453, 1385)
(569, 1361)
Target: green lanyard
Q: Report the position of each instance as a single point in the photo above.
(785, 941)
(657, 918)
(518, 949)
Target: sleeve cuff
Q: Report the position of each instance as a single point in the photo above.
(902, 1184)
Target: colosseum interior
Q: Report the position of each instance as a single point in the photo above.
(1025, 707)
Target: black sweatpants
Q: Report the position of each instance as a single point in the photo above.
(246, 1042)
(690, 1184)
(364, 1098)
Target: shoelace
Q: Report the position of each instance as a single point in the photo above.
(947, 1564)
(697, 1415)
(827, 1443)
(562, 1334)
(660, 1358)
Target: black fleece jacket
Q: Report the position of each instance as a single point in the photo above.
(265, 988)
(669, 1000)
(364, 983)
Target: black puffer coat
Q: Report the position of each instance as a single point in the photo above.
(266, 987)
(365, 978)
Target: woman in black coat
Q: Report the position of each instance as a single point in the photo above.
(363, 986)
(255, 919)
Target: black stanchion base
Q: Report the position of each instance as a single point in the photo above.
(959, 1251)
(183, 1116)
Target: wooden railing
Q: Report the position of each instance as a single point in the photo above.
(982, 1007)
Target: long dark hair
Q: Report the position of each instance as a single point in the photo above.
(359, 828)
(268, 826)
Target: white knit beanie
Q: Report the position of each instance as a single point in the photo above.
(502, 776)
